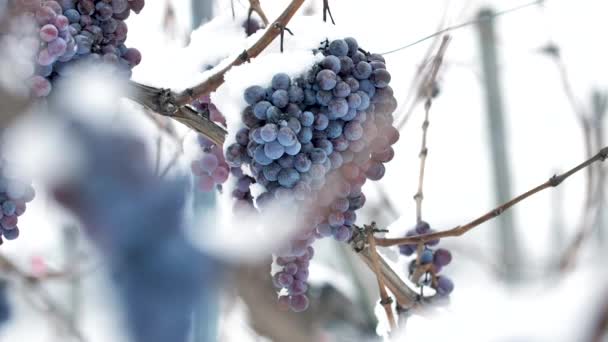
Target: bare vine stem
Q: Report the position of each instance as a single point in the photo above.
(254, 6)
(428, 88)
(592, 192)
(385, 299)
(460, 230)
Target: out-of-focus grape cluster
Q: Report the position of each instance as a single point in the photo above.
(311, 143)
(14, 194)
(209, 168)
(73, 31)
(430, 260)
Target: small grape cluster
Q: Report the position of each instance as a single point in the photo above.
(80, 30)
(210, 168)
(14, 194)
(242, 191)
(314, 141)
(433, 260)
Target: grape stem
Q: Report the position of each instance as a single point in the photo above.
(385, 300)
(326, 11)
(254, 6)
(585, 122)
(174, 105)
(428, 89)
(460, 230)
(404, 295)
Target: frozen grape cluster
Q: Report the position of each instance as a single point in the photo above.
(210, 168)
(431, 258)
(72, 31)
(312, 141)
(14, 194)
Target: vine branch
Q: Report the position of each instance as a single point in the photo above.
(385, 299)
(254, 6)
(404, 295)
(429, 89)
(460, 230)
(174, 105)
(213, 82)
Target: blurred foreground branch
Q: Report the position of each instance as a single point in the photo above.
(47, 305)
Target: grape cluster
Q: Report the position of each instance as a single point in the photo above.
(242, 190)
(437, 259)
(313, 142)
(210, 168)
(14, 194)
(80, 30)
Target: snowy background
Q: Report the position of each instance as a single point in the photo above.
(532, 302)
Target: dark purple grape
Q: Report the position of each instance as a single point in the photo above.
(286, 161)
(280, 98)
(302, 163)
(353, 46)
(254, 94)
(332, 63)
(326, 79)
(324, 97)
(341, 89)
(342, 233)
(305, 135)
(445, 286)
(299, 303)
(271, 172)
(281, 81)
(346, 66)
(269, 132)
(442, 257)
(338, 48)
(338, 107)
(261, 157)
(296, 94)
(286, 137)
(274, 150)
(260, 109)
(334, 129)
(293, 149)
(362, 71)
